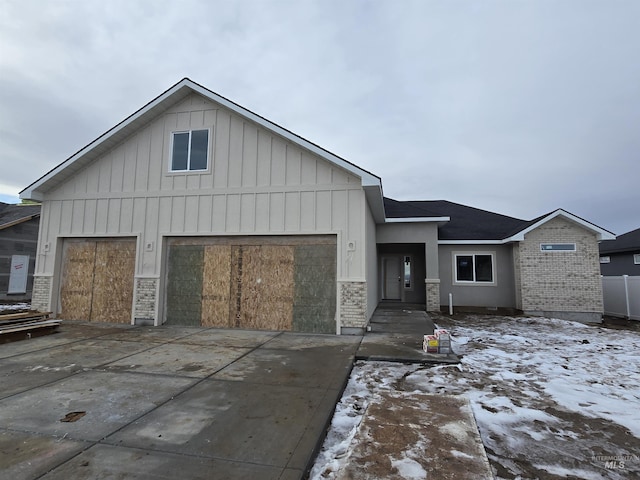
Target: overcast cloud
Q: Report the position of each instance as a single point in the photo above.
(518, 107)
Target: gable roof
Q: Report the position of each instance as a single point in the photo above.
(179, 91)
(627, 242)
(11, 215)
(474, 225)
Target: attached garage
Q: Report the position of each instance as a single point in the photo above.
(97, 279)
(258, 282)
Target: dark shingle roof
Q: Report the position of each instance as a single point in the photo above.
(10, 214)
(626, 242)
(467, 223)
(396, 209)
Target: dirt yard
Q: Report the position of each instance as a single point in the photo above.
(553, 399)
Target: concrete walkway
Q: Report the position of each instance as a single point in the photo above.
(167, 402)
(397, 332)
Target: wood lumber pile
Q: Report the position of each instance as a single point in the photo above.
(18, 326)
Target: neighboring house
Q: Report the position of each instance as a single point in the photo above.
(196, 211)
(622, 255)
(18, 241)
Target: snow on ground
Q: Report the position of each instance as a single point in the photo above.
(14, 306)
(552, 398)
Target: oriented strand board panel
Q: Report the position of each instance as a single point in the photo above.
(97, 280)
(314, 303)
(76, 291)
(264, 287)
(216, 286)
(184, 285)
(113, 281)
(253, 282)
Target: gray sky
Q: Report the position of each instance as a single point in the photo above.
(518, 107)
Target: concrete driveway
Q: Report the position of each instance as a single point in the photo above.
(167, 402)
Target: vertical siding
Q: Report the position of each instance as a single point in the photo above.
(256, 183)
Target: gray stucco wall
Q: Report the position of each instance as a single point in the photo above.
(502, 294)
(426, 233)
(371, 263)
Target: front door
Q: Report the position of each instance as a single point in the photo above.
(392, 278)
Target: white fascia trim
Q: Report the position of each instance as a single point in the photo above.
(28, 192)
(473, 242)
(417, 219)
(601, 233)
(368, 179)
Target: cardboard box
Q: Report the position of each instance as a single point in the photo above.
(442, 335)
(444, 341)
(430, 344)
(444, 349)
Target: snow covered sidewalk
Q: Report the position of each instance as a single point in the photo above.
(553, 399)
(417, 436)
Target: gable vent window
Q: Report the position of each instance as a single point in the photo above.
(557, 247)
(636, 259)
(189, 150)
(605, 259)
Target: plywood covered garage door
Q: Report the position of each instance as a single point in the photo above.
(97, 279)
(264, 283)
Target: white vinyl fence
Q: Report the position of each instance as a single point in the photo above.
(622, 296)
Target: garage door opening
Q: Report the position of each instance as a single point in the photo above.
(263, 283)
(97, 279)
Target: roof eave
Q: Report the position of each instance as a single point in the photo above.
(36, 190)
(439, 220)
(114, 134)
(473, 242)
(373, 194)
(19, 221)
(601, 233)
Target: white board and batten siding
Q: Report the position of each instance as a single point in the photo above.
(256, 183)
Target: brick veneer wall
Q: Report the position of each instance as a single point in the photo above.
(353, 305)
(560, 281)
(144, 310)
(433, 295)
(41, 296)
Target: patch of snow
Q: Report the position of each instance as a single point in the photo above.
(14, 306)
(566, 472)
(49, 369)
(547, 395)
(409, 469)
(458, 454)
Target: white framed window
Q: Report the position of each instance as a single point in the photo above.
(636, 259)
(557, 247)
(474, 268)
(605, 259)
(189, 151)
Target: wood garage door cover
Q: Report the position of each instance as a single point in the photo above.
(97, 279)
(261, 282)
